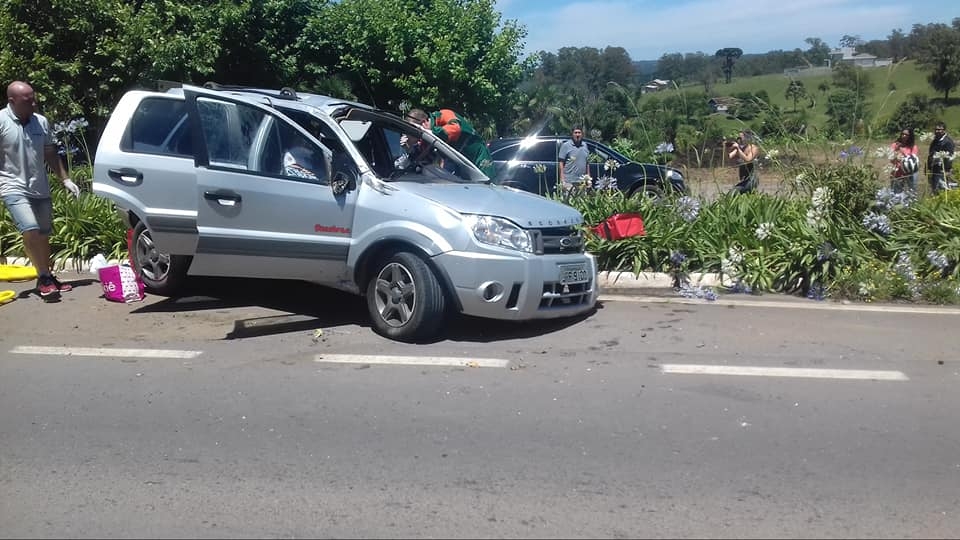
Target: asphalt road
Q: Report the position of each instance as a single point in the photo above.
(243, 423)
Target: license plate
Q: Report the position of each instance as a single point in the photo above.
(573, 273)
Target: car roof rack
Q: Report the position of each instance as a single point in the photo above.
(284, 93)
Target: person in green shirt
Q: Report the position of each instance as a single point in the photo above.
(456, 131)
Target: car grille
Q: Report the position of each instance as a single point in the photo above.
(558, 240)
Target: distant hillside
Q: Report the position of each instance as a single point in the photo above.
(891, 87)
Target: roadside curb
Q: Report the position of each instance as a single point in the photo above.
(629, 281)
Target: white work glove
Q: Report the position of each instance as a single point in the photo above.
(404, 140)
(71, 187)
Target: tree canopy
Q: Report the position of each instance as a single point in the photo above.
(938, 52)
(81, 55)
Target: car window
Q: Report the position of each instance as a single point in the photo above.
(159, 126)
(300, 157)
(220, 123)
(599, 152)
(241, 136)
(605, 153)
(322, 131)
(541, 150)
(504, 153)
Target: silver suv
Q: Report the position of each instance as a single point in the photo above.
(245, 182)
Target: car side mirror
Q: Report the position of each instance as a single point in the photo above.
(341, 183)
(345, 174)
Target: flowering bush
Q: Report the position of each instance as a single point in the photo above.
(72, 146)
(836, 233)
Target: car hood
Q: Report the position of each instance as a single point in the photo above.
(525, 209)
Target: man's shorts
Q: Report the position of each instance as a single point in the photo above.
(30, 214)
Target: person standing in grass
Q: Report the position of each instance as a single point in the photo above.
(905, 161)
(940, 159)
(745, 152)
(27, 146)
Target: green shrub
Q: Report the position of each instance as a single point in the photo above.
(821, 237)
(82, 227)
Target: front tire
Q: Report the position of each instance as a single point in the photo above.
(162, 273)
(405, 299)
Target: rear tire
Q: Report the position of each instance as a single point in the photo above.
(405, 299)
(162, 273)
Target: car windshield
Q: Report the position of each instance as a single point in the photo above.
(397, 150)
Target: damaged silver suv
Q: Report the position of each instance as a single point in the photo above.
(246, 182)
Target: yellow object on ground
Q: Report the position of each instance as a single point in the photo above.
(15, 272)
(7, 296)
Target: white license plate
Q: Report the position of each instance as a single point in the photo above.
(574, 273)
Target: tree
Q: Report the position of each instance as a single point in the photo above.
(729, 55)
(939, 53)
(81, 55)
(853, 78)
(850, 41)
(450, 53)
(795, 91)
(845, 108)
(818, 53)
(670, 67)
(898, 44)
(916, 111)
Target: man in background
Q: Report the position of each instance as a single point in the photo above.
(574, 157)
(940, 159)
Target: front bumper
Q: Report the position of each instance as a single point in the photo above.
(521, 286)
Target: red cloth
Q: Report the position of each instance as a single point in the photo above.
(620, 226)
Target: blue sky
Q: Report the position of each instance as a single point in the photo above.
(649, 29)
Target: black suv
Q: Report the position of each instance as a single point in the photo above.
(515, 159)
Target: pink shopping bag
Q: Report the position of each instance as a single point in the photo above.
(121, 283)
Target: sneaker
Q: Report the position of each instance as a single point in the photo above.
(47, 288)
(62, 287)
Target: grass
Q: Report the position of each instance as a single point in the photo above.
(905, 77)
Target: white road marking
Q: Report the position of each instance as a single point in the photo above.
(90, 351)
(810, 373)
(411, 360)
(799, 304)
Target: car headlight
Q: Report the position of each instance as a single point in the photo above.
(499, 232)
(674, 174)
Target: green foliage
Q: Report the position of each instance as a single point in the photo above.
(795, 91)
(84, 227)
(444, 53)
(845, 110)
(75, 53)
(808, 240)
(853, 78)
(939, 53)
(872, 281)
(917, 111)
(941, 292)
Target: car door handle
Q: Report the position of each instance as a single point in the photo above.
(224, 198)
(126, 175)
